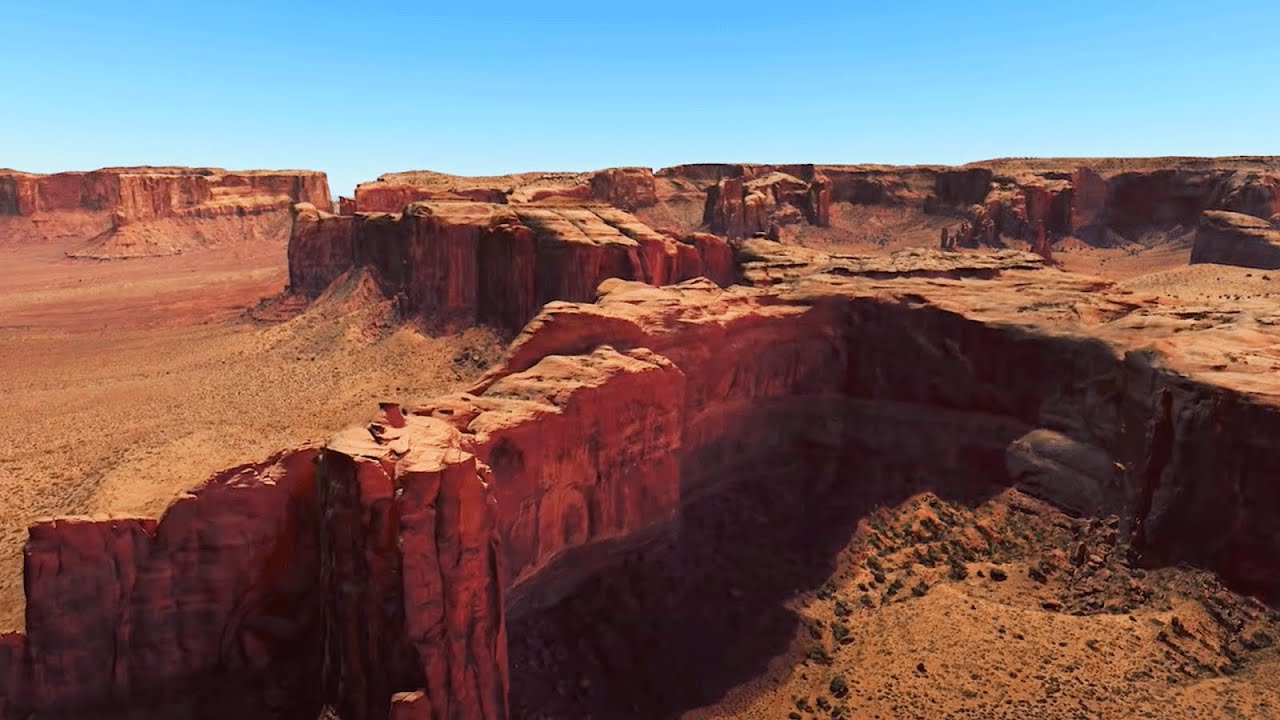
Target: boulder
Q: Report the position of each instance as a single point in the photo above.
(1228, 238)
(1075, 476)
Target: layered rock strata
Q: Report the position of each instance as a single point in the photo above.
(1101, 201)
(134, 613)
(461, 263)
(147, 210)
(417, 537)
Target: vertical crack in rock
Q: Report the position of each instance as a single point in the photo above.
(1159, 452)
(414, 601)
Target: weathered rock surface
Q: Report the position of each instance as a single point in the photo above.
(625, 188)
(220, 592)
(1101, 201)
(126, 212)
(1229, 238)
(462, 263)
(1072, 475)
(411, 574)
(432, 527)
(747, 205)
(764, 263)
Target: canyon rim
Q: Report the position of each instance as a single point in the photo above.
(706, 440)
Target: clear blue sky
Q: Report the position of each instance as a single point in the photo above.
(357, 89)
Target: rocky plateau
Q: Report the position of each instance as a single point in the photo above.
(1103, 202)
(118, 213)
(773, 398)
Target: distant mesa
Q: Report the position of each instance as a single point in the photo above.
(462, 263)
(1023, 203)
(1104, 202)
(146, 211)
(459, 251)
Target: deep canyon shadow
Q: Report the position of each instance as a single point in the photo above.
(676, 625)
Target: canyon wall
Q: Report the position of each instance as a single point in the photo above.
(121, 212)
(132, 615)
(411, 541)
(459, 263)
(1101, 201)
(145, 192)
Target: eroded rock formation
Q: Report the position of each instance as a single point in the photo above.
(1103, 202)
(1229, 238)
(624, 188)
(127, 614)
(460, 263)
(124, 212)
(379, 578)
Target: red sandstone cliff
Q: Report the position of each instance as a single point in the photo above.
(624, 188)
(1100, 201)
(132, 612)
(459, 263)
(124, 212)
(411, 573)
(414, 538)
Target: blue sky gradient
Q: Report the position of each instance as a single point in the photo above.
(360, 89)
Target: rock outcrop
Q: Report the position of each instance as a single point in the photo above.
(411, 574)
(1229, 238)
(1100, 201)
(125, 212)
(460, 263)
(625, 188)
(413, 539)
(128, 613)
(744, 206)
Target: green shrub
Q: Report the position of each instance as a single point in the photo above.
(819, 655)
(838, 686)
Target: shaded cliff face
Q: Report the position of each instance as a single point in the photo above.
(1000, 362)
(131, 613)
(1100, 201)
(411, 573)
(457, 264)
(125, 212)
(429, 530)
